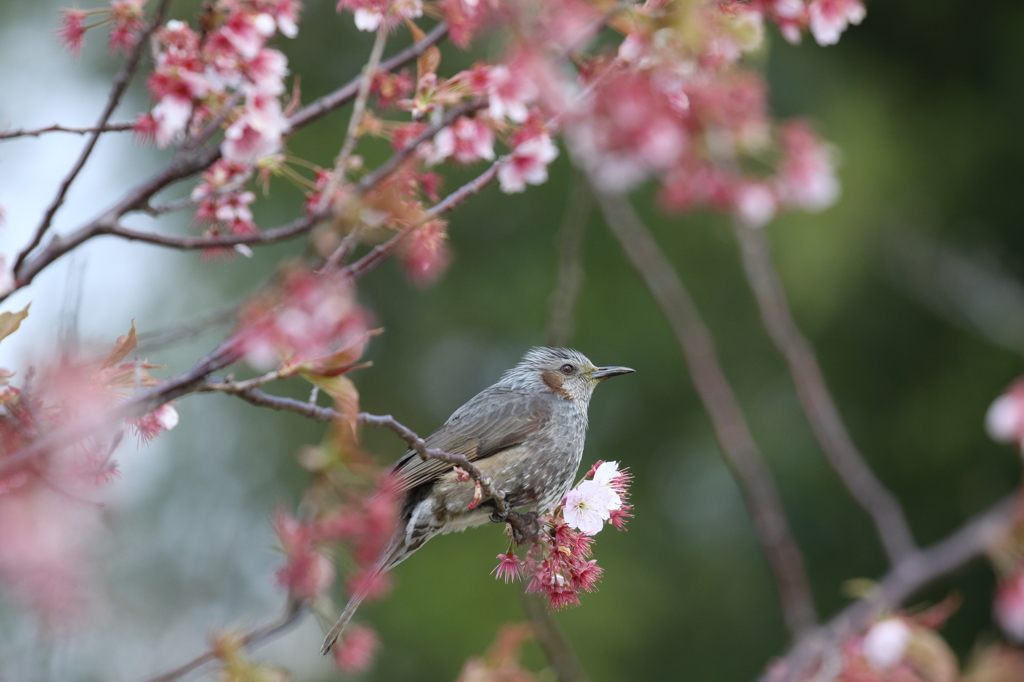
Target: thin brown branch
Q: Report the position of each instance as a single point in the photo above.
(738, 445)
(570, 263)
(817, 401)
(57, 128)
(907, 577)
(293, 612)
(121, 81)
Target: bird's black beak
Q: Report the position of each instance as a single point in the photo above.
(602, 373)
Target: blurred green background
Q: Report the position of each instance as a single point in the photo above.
(907, 288)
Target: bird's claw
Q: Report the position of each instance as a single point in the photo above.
(524, 525)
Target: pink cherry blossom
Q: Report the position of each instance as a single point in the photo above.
(806, 178)
(509, 93)
(357, 649)
(171, 115)
(754, 204)
(527, 164)
(509, 567)
(256, 134)
(127, 23)
(829, 18)
(72, 30)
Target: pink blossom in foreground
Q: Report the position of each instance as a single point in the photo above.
(806, 178)
(307, 573)
(315, 316)
(829, 18)
(45, 538)
(527, 164)
(754, 204)
(357, 649)
(886, 642)
(1009, 606)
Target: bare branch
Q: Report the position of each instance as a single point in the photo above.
(908, 576)
(738, 446)
(817, 402)
(121, 81)
(552, 640)
(293, 612)
(57, 128)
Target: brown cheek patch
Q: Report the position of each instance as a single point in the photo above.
(554, 380)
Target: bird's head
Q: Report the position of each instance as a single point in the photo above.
(563, 371)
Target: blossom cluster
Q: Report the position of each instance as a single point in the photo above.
(361, 521)
(558, 564)
(223, 74)
(48, 516)
(308, 318)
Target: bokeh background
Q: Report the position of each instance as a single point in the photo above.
(909, 289)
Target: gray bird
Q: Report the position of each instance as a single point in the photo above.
(525, 433)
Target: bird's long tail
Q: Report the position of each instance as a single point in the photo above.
(343, 620)
(396, 551)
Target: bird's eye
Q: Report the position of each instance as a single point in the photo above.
(567, 369)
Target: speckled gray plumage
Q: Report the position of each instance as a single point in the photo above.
(526, 433)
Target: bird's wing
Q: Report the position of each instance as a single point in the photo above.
(493, 421)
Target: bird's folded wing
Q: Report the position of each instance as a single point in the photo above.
(491, 422)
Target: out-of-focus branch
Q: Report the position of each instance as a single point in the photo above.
(552, 640)
(359, 107)
(121, 81)
(738, 446)
(293, 612)
(570, 263)
(57, 128)
(908, 576)
(817, 402)
(970, 290)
